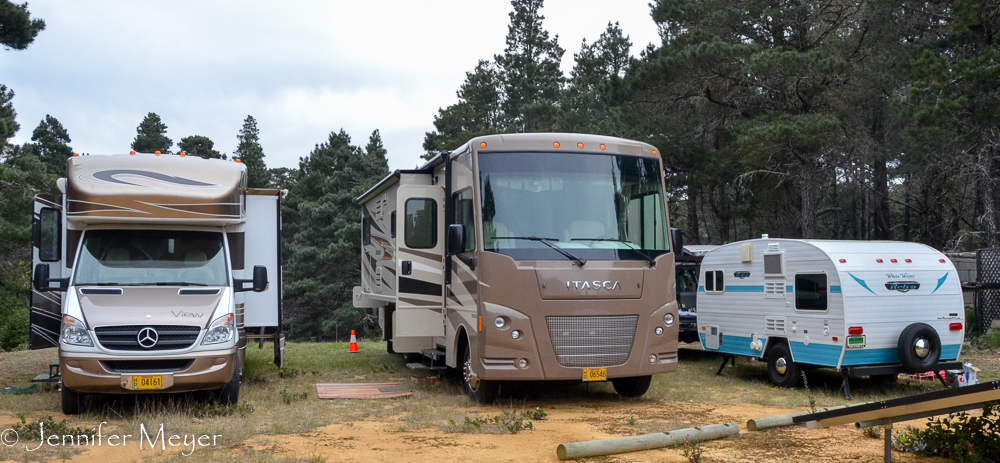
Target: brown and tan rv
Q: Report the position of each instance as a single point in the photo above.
(526, 257)
(139, 275)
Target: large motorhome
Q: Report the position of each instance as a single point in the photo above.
(526, 257)
(140, 270)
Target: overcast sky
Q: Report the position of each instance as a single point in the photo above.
(302, 69)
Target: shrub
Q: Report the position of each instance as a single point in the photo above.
(964, 438)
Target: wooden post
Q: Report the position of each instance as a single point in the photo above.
(645, 442)
(888, 442)
(778, 421)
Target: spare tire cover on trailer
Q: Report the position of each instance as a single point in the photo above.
(919, 348)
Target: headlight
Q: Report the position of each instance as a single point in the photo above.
(74, 332)
(668, 319)
(221, 330)
(499, 322)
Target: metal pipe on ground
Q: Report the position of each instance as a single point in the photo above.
(778, 421)
(645, 442)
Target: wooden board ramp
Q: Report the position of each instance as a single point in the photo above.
(362, 390)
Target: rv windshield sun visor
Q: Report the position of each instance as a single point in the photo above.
(159, 189)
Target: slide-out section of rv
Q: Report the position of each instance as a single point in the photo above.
(151, 274)
(526, 257)
(869, 308)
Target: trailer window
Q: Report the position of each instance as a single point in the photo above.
(49, 239)
(715, 281)
(420, 227)
(811, 291)
(464, 215)
(392, 224)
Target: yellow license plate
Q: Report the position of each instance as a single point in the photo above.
(147, 382)
(595, 374)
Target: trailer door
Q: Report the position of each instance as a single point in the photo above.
(46, 248)
(420, 260)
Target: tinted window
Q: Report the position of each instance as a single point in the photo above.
(464, 216)
(392, 224)
(715, 281)
(811, 291)
(50, 242)
(151, 257)
(420, 226)
(366, 231)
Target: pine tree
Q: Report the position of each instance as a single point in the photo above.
(599, 71)
(17, 28)
(51, 144)
(251, 154)
(8, 124)
(322, 232)
(476, 113)
(198, 145)
(151, 136)
(529, 70)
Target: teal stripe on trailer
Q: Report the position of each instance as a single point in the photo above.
(950, 352)
(823, 355)
(835, 289)
(736, 345)
(745, 289)
(889, 355)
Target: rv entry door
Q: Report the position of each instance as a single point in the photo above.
(420, 258)
(46, 248)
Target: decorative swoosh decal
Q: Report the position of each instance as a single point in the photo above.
(862, 283)
(111, 176)
(940, 282)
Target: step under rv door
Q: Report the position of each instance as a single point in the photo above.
(420, 261)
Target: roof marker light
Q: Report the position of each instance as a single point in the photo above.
(238, 160)
(76, 154)
(579, 145)
(654, 152)
(893, 260)
(482, 145)
(843, 261)
(132, 152)
(156, 153)
(909, 261)
(878, 260)
(183, 154)
(603, 147)
(555, 144)
(941, 260)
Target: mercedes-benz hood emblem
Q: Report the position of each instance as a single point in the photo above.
(147, 337)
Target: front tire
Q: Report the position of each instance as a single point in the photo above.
(230, 393)
(635, 386)
(70, 401)
(479, 390)
(781, 370)
(919, 348)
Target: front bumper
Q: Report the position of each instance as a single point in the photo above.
(101, 373)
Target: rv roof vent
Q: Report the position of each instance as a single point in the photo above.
(773, 247)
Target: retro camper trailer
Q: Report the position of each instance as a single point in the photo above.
(526, 257)
(870, 308)
(140, 275)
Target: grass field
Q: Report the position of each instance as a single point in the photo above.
(275, 402)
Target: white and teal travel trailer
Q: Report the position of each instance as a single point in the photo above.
(868, 308)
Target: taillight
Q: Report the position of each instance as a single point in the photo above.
(955, 326)
(855, 330)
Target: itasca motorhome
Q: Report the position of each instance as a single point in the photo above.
(526, 257)
(140, 270)
(870, 308)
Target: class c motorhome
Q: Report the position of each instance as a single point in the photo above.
(141, 275)
(868, 308)
(526, 257)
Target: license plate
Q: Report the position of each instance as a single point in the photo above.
(142, 382)
(595, 374)
(854, 342)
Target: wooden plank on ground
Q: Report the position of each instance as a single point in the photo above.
(362, 390)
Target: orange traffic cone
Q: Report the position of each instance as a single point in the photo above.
(354, 343)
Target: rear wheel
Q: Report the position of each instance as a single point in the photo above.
(919, 348)
(479, 390)
(230, 393)
(781, 370)
(70, 401)
(635, 386)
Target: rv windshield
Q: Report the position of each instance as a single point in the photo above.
(595, 206)
(151, 257)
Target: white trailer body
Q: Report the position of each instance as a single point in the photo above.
(831, 303)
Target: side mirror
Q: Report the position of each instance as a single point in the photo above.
(259, 278)
(678, 240)
(456, 238)
(41, 279)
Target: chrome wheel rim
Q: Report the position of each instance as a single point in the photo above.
(781, 366)
(922, 347)
(467, 375)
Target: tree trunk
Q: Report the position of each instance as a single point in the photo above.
(692, 213)
(807, 216)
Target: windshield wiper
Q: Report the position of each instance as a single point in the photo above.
(652, 263)
(178, 283)
(545, 241)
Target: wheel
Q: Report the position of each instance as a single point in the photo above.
(230, 393)
(781, 370)
(70, 401)
(919, 348)
(635, 386)
(479, 390)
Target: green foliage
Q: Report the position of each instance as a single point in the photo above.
(991, 339)
(600, 68)
(50, 142)
(198, 145)
(8, 124)
(322, 230)
(48, 427)
(251, 154)
(289, 397)
(17, 28)
(692, 451)
(476, 113)
(509, 421)
(151, 136)
(872, 432)
(962, 437)
(214, 409)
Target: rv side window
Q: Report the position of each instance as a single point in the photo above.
(366, 231)
(420, 226)
(392, 224)
(464, 216)
(810, 291)
(49, 242)
(714, 281)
